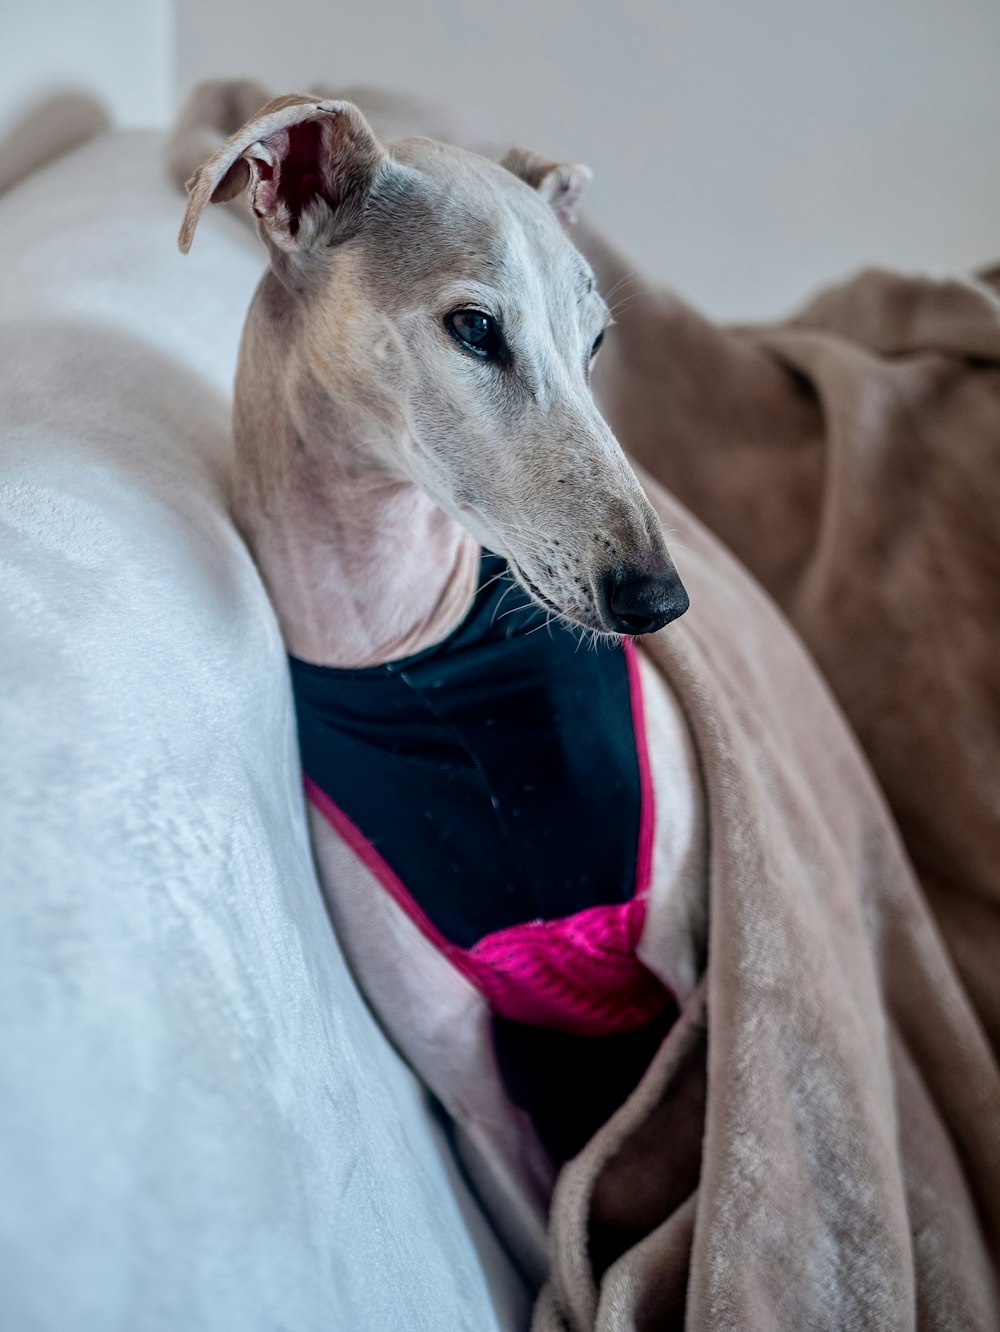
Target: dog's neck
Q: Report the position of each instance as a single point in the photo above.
(368, 571)
(362, 568)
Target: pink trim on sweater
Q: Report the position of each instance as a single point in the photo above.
(577, 974)
(647, 809)
(349, 831)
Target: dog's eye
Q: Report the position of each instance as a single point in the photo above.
(476, 332)
(597, 344)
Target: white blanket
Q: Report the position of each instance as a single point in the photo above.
(201, 1126)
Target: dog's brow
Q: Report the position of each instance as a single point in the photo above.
(585, 285)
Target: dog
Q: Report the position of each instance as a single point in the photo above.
(503, 796)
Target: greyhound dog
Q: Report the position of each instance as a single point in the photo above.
(503, 795)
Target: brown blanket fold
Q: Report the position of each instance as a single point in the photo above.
(850, 1166)
(817, 1143)
(851, 458)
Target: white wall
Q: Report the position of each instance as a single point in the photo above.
(746, 152)
(119, 52)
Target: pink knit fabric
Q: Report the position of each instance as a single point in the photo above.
(579, 974)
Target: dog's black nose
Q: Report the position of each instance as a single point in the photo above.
(639, 603)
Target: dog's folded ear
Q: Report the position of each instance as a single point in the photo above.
(559, 183)
(307, 167)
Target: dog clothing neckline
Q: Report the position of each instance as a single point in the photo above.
(497, 785)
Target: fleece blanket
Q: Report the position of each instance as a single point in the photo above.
(817, 1142)
(851, 458)
(819, 1145)
(202, 1127)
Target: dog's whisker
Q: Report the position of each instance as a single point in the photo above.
(493, 618)
(627, 297)
(627, 304)
(622, 290)
(531, 606)
(625, 280)
(620, 285)
(680, 545)
(495, 579)
(547, 625)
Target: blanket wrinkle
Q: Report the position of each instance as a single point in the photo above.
(841, 1169)
(791, 1190)
(896, 316)
(850, 456)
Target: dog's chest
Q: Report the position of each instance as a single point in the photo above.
(497, 786)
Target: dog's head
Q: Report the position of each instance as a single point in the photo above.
(443, 319)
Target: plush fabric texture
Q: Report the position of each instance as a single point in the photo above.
(851, 458)
(818, 1142)
(201, 1125)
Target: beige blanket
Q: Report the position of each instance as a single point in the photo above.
(851, 458)
(817, 1144)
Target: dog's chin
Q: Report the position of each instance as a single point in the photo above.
(576, 618)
